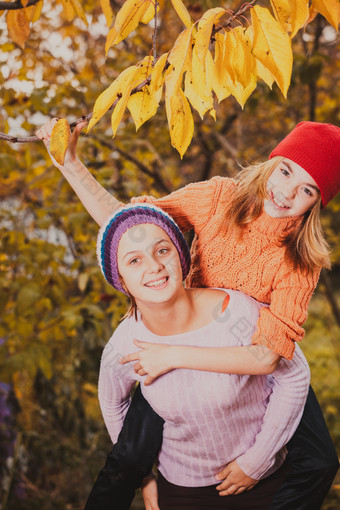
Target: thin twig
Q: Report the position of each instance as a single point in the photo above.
(138, 88)
(154, 37)
(14, 6)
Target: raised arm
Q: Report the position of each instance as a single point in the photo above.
(98, 202)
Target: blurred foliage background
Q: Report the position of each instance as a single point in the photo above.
(56, 310)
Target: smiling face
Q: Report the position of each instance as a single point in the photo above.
(291, 191)
(149, 264)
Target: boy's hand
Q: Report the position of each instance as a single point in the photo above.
(153, 360)
(44, 134)
(150, 493)
(234, 480)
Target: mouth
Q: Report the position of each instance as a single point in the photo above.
(157, 284)
(278, 203)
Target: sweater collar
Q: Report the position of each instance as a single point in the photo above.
(276, 227)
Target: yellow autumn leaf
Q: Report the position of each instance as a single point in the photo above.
(179, 57)
(264, 73)
(68, 10)
(115, 91)
(18, 26)
(242, 93)
(330, 9)
(181, 122)
(149, 13)
(24, 2)
(142, 71)
(201, 103)
(272, 47)
(291, 14)
(157, 76)
(282, 11)
(218, 69)
(182, 12)
(79, 11)
(107, 10)
(299, 15)
(200, 49)
(59, 140)
(143, 105)
(127, 20)
(243, 61)
(33, 12)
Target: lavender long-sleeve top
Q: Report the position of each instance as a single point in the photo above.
(210, 418)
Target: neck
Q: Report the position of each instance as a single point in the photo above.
(169, 318)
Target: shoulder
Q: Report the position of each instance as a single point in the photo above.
(120, 343)
(234, 304)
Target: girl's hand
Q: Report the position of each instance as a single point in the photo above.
(234, 479)
(44, 134)
(153, 360)
(150, 493)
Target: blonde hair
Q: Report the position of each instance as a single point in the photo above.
(306, 246)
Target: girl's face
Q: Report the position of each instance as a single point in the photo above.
(149, 264)
(291, 191)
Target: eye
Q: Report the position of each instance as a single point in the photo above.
(308, 192)
(163, 251)
(285, 172)
(134, 261)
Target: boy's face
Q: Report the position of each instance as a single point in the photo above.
(291, 191)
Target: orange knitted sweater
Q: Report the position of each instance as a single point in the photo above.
(254, 264)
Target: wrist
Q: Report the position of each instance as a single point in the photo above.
(176, 357)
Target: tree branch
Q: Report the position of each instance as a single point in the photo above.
(138, 88)
(15, 6)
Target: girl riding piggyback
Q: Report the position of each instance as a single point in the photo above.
(260, 234)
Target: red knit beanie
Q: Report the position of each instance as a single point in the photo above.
(315, 146)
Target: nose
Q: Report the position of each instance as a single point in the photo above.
(289, 191)
(154, 265)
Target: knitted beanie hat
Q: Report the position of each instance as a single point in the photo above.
(315, 146)
(129, 216)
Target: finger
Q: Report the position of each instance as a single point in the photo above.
(134, 356)
(224, 485)
(141, 344)
(76, 132)
(230, 491)
(137, 367)
(148, 380)
(222, 475)
(141, 371)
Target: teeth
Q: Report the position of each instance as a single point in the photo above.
(156, 284)
(280, 204)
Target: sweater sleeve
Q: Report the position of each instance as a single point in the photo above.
(280, 324)
(283, 414)
(115, 382)
(193, 205)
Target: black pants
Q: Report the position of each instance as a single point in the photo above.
(311, 455)
(175, 497)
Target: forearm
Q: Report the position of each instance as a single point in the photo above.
(97, 201)
(283, 413)
(243, 360)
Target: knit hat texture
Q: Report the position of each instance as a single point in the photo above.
(129, 216)
(315, 146)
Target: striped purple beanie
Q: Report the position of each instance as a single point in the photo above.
(126, 217)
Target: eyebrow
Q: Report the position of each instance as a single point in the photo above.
(129, 253)
(307, 184)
